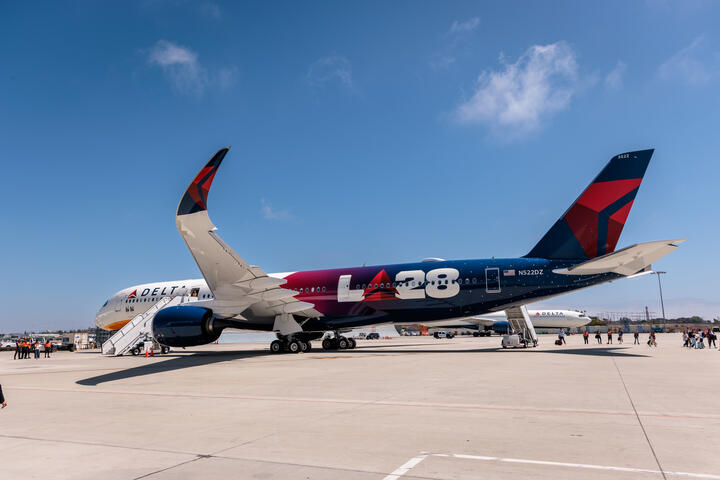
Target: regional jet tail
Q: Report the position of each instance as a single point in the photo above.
(577, 252)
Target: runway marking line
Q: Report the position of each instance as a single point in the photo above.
(406, 467)
(413, 462)
(381, 403)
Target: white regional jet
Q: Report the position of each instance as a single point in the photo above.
(497, 321)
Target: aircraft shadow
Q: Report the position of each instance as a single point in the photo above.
(179, 362)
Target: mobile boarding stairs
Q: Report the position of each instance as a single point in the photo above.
(521, 328)
(139, 329)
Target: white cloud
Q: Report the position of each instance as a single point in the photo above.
(330, 69)
(516, 98)
(466, 26)
(270, 213)
(442, 62)
(614, 79)
(186, 74)
(210, 10)
(687, 67)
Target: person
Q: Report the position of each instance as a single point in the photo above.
(700, 343)
(37, 349)
(25, 349)
(609, 336)
(651, 340)
(48, 348)
(598, 337)
(620, 334)
(561, 336)
(686, 339)
(693, 341)
(637, 337)
(585, 336)
(711, 341)
(18, 350)
(3, 403)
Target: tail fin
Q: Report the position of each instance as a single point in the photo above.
(592, 225)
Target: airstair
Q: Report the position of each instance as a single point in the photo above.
(136, 329)
(521, 325)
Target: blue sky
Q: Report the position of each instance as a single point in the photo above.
(361, 132)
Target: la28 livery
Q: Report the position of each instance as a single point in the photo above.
(577, 252)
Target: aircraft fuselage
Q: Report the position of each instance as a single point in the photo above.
(401, 293)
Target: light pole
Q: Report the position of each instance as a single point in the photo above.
(662, 305)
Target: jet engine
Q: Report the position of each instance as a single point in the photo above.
(185, 326)
(501, 327)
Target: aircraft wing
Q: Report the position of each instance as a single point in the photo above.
(627, 261)
(235, 284)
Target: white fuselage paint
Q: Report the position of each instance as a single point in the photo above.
(129, 302)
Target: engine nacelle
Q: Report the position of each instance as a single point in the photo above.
(501, 327)
(185, 326)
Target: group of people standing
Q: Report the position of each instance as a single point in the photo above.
(24, 347)
(598, 337)
(693, 339)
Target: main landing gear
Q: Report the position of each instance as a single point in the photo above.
(338, 342)
(290, 346)
(301, 344)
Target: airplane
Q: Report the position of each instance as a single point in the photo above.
(497, 321)
(577, 252)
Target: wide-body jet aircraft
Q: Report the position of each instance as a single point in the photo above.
(577, 252)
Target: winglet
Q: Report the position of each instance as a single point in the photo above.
(195, 197)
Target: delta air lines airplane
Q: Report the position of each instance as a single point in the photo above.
(577, 252)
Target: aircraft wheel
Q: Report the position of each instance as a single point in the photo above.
(294, 347)
(303, 347)
(135, 351)
(276, 346)
(352, 343)
(309, 346)
(165, 350)
(327, 344)
(342, 343)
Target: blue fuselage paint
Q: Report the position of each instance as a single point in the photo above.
(478, 287)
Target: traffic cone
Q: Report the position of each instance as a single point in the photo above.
(152, 352)
(146, 354)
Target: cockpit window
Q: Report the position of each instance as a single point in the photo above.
(106, 302)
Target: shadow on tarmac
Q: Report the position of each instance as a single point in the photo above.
(180, 362)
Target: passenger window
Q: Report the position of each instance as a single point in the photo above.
(357, 287)
(376, 285)
(323, 289)
(312, 290)
(364, 286)
(467, 281)
(474, 280)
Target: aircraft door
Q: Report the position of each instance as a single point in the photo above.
(492, 280)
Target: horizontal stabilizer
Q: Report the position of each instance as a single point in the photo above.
(628, 261)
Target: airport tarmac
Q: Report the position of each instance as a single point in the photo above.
(406, 408)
